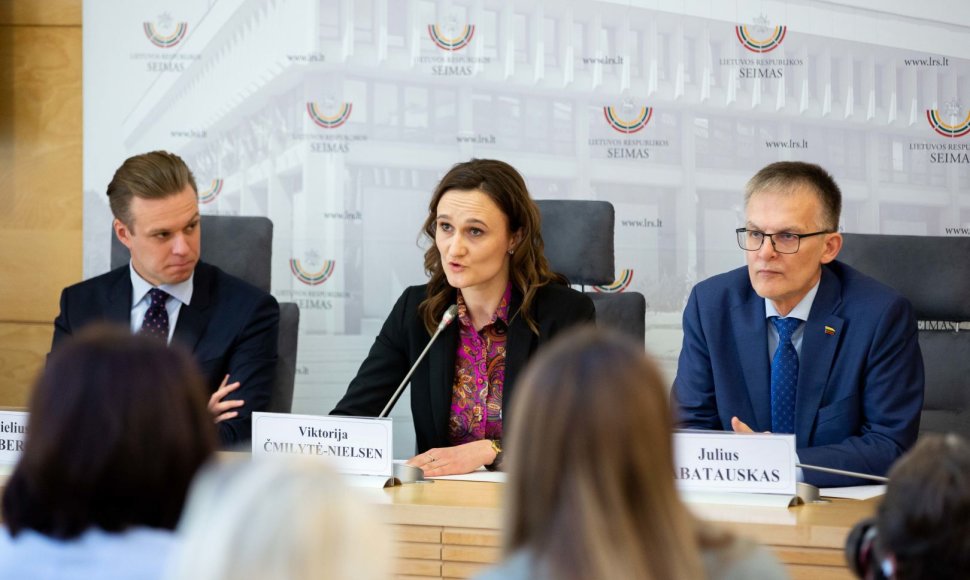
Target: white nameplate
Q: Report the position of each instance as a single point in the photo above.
(13, 429)
(718, 461)
(353, 445)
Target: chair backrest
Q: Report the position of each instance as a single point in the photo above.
(239, 245)
(626, 312)
(281, 400)
(578, 238)
(933, 272)
(243, 247)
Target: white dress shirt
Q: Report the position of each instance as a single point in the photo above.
(179, 294)
(801, 312)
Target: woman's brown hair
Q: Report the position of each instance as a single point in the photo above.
(528, 266)
(118, 427)
(591, 473)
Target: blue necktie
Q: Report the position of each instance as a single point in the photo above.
(156, 318)
(784, 377)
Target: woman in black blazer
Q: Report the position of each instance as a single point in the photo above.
(487, 257)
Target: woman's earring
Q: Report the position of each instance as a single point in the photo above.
(511, 251)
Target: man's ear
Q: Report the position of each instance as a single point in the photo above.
(123, 233)
(833, 245)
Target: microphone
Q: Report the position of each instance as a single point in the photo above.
(446, 319)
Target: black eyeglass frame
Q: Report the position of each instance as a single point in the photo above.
(774, 246)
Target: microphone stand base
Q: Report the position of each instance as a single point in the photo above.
(410, 474)
(808, 493)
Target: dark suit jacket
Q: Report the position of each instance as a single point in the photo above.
(403, 337)
(859, 392)
(230, 327)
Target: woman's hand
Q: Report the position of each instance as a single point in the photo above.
(455, 460)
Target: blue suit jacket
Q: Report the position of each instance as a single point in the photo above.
(230, 327)
(860, 390)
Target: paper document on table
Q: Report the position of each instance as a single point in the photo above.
(857, 492)
(479, 475)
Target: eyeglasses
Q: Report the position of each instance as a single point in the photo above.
(782, 242)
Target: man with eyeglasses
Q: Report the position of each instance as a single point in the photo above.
(798, 342)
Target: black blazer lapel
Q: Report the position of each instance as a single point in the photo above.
(117, 307)
(441, 367)
(518, 348)
(818, 352)
(194, 317)
(751, 340)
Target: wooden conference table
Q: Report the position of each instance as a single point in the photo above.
(450, 529)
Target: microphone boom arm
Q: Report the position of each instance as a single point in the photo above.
(445, 321)
(878, 478)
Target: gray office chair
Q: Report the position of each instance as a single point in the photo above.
(934, 274)
(578, 237)
(243, 246)
(281, 400)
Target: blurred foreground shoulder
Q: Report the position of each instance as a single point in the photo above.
(519, 566)
(742, 559)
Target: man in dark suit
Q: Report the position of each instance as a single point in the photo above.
(799, 343)
(230, 326)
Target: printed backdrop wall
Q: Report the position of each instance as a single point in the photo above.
(335, 118)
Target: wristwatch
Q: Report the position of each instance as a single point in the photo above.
(497, 448)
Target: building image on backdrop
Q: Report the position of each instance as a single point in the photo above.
(336, 118)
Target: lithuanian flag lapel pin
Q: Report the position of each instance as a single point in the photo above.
(829, 331)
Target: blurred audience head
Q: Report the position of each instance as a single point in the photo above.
(591, 477)
(922, 527)
(118, 428)
(281, 518)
